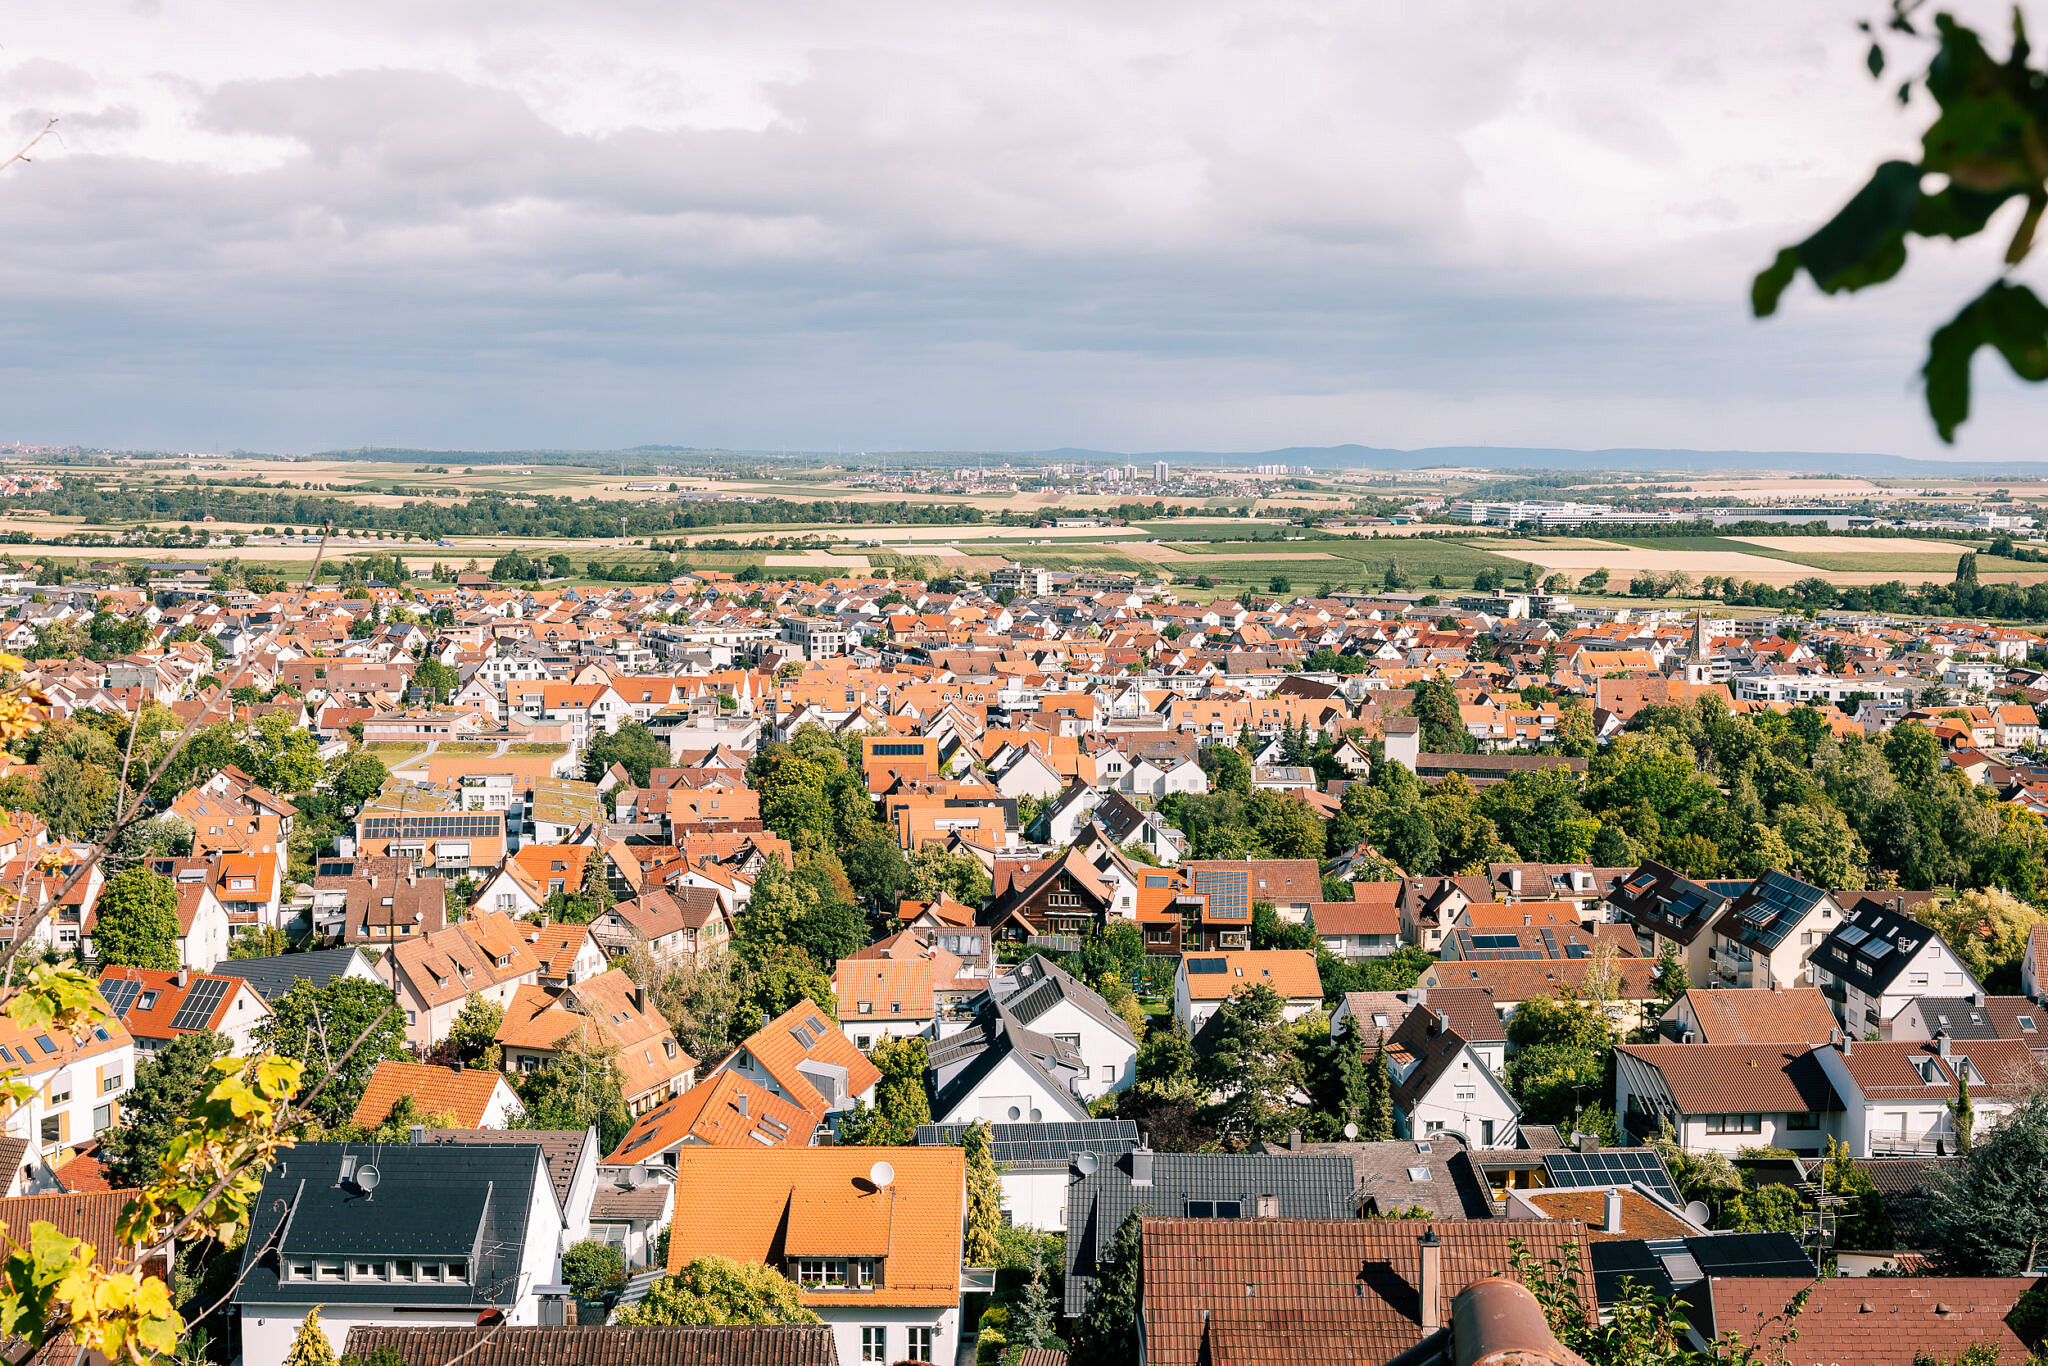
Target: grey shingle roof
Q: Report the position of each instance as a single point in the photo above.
(1318, 1187)
(1041, 984)
(432, 1201)
(563, 1149)
(274, 976)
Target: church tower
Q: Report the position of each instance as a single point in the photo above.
(1699, 665)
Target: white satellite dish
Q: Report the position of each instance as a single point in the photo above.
(881, 1174)
(1351, 1130)
(367, 1178)
(1088, 1163)
(1698, 1212)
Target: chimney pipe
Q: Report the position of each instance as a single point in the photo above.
(1294, 1140)
(741, 1101)
(419, 1134)
(1432, 1287)
(1589, 1143)
(1941, 1043)
(1613, 1224)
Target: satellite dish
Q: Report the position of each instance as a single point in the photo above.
(367, 1178)
(1088, 1163)
(1351, 1131)
(1698, 1212)
(881, 1174)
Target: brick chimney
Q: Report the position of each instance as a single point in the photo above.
(1432, 1287)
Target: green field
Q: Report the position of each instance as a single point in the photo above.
(1354, 564)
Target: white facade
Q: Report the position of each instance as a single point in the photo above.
(1468, 1099)
(1012, 1093)
(883, 1334)
(1112, 1059)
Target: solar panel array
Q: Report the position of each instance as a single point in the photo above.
(1750, 1254)
(200, 1003)
(1197, 966)
(121, 993)
(1042, 1143)
(1612, 1167)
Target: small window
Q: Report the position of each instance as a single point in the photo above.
(298, 1271)
(1420, 1174)
(327, 1271)
(147, 1001)
(2027, 1023)
(458, 1271)
(366, 1271)
(866, 1008)
(401, 1270)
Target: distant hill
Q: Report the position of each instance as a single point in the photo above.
(1351, 457)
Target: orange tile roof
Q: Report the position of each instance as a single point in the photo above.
(540, 1019)
(889, 987)
(726, 1111)
(774, 1045)
(462, 1094)
(1291, 972)
(764, 1206)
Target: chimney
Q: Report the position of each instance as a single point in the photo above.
(184, 977)
(1778, 986)
(1432, 1287)
(1977, 999)
(1848, 1046)
(418, 1134)
(1941, 1043)
(640, 999)
(1294, 1140)
(1515, 881)
(1613, 1224)
(741, 1101)
(1141, 1167)
(1588, 1143)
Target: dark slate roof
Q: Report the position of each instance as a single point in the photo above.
(563, 1149)
(1435, 1173)
(1098, 1203)
(781, 1344)
(1870, 951)
(1662, 899)
(1042, 1147)
(1668, 1265)
(1119, 819)
(432, 1201)
(1775, 905)
(274, 976)
(1038, 984)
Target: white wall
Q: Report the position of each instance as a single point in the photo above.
(1112, 1060)
(846, 1323)
(1036, 1199)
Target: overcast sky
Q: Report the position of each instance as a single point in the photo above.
(983, 225)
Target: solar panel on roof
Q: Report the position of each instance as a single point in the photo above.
(1853, 935)
(200, 1003)
(1198, 965)
(1876, 949)
(120, 995)
(1609, 1167)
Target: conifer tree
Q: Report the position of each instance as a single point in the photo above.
(1378, 1123)
(984, 1197)
(311, 1347)
(1107, 1332)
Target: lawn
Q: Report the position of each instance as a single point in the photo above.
(1359, 563)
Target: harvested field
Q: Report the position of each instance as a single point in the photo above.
(815, 559)
(1854, 545)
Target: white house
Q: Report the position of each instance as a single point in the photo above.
(998, 1070)
(1726, 1097)
(1896, 1096)
(1047, 998)
(1441, 1085)
(413, 1234)
(1878, 961)
(1204, 981)
(1035, 1162)
(78, 1090)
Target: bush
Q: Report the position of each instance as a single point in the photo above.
(591, 1268)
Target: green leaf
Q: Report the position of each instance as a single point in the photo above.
(1875, 61)
(1957, 212)
(1864, 243)
(1771, 282)
(2007, 316)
